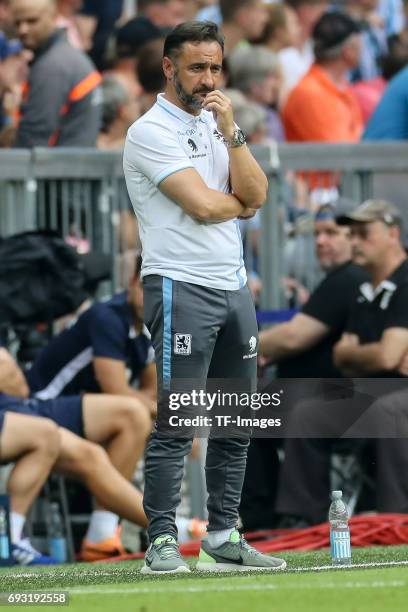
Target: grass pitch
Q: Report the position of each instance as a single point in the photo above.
(301, 588)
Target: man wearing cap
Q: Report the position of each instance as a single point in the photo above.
(322, 107)
(374, 345)
(302, 348)
(376, 337)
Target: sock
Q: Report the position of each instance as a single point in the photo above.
(216, 538)
(102, 526)
(182, 524)
(16, 526)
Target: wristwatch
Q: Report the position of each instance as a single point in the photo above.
(237, 140)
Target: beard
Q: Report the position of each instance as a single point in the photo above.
(188, 100)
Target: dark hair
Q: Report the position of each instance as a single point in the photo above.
(192, 31)
(150, 67)
(138, 266)
(396, 58)
(330, 32)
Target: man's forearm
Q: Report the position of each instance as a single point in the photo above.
(362, 359)
(220, 207)
(248, 181)
(276, 344)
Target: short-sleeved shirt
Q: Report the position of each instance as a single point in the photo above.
(317, 110)
(389, 120)
(65, 366)
(376, 310)
(330, 304)
(164, 141)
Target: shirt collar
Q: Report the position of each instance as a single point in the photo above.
(389, 284)
(178, 112)
(370, 293)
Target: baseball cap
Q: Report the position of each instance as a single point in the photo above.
(9, 46)
(372, 210)
(332, 29)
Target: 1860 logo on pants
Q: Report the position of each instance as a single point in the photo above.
(182, 344)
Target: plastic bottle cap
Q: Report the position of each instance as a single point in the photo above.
(337, 494)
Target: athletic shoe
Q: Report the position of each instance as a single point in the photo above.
(98, 551)
(163, 557)
(236, 555)
(24, 553)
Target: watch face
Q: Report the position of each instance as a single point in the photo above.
(240, 136)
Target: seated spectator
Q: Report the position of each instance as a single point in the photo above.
(255, 71)
(389, 120)
(33, 445)
(150, 72)
(373, 38)
(68, 113)
(282, 29)
(373, 345)
(322, 107)
(96, 22)
(96, 354)
(369, 93)
(123, 49)
(242, 20)
(302, 347)
(119, 111)
(297, 59)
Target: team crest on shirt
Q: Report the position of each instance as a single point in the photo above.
(252, 344)
(182, 344)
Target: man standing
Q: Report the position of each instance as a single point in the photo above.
(189, 176)
(61, 105)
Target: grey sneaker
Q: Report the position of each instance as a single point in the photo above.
(236, 555)
(163, 556)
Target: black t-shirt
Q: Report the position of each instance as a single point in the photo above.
(330, 303)
(372, 314)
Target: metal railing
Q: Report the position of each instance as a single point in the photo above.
(82, 194)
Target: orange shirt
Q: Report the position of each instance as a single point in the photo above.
(317, 110)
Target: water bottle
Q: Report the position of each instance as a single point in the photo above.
(57, 545)
(4, 537)
(339, 531)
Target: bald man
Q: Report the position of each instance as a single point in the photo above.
(61, 105)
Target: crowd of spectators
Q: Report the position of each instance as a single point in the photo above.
(310, 70)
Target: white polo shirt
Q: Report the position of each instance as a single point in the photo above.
(163, 141)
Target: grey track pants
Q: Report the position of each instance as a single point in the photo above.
(197, 333)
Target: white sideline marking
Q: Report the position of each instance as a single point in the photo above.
(170, 588)
(129, 572)
(319, 568)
